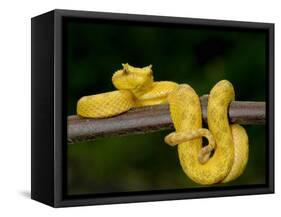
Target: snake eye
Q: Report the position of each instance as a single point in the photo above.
(125, 68)
(148, 70)
(125, 71)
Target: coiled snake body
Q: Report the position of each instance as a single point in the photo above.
(226, 155)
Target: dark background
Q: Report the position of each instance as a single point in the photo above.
(199, 56)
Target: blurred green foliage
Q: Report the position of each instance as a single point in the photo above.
(197, 56)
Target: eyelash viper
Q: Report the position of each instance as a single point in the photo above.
(226, 155)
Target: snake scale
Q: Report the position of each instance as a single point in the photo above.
(226, 155)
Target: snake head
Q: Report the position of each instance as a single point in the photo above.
(133, 78)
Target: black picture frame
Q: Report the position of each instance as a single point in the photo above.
(49, 119)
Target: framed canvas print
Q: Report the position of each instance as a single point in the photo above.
(130, 108)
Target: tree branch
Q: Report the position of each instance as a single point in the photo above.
(154, 118)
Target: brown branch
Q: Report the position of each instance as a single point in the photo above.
(153, 118)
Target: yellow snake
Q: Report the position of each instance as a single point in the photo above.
(226, 155)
